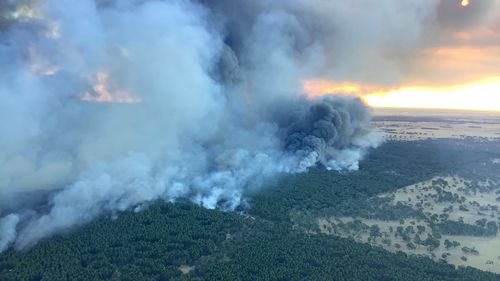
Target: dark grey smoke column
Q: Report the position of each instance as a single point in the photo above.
(321, 128)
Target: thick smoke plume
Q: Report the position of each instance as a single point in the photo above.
(107, 105)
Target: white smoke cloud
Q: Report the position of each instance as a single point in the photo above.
(8, 230)
(219, 107)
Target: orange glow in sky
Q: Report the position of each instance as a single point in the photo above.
(106, 90)
(316, 88)
(481, 95)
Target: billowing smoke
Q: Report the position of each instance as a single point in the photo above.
(8, 230)
(108, 105)
(329, 132)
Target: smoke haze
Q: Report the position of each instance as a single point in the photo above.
(108, 105)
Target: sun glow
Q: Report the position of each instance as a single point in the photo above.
(315, 88)
(481, 95)
(464, 3)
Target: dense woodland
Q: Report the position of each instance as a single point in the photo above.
(261, 242)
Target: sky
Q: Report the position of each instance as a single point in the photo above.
(410, 54)
(454, 63)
